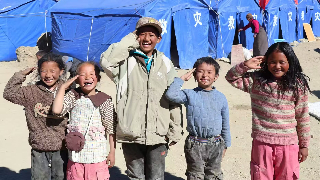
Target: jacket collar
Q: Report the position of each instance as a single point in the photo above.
(97, 99)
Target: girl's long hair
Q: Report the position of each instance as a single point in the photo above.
(294, 80)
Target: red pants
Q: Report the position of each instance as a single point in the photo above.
(274, 162)
(81, 171)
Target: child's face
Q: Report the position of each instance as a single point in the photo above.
(148, 39)
(278, 64)
(206, 75)
(50, 73)
(87, 79)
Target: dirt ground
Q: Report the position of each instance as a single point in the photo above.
(15, 151)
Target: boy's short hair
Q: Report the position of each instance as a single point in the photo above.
(149, 21)
(207, 60)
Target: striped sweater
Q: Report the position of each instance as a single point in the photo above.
(276, 119)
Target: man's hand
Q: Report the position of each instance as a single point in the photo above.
(188, 75)
(303, 154)
(254, 63)
(255, 35)
(240, 30)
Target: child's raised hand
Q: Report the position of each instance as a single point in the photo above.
(28, 71)
(188, 75)
(254, 63)
(69, 82)
(111, 159)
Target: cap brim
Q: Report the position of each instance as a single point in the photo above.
(154, 25)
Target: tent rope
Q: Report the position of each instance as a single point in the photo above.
(89, 39)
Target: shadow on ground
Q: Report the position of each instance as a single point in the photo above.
(7, 174)
(316, 93)
(115, 174)
(25, 174)
(317, 50)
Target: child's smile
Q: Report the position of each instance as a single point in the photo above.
(87, 79)
(206, 75)
(278, 64)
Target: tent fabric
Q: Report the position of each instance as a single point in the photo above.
(304, 15)
(280, 14)
(21, 24)
(84, 31)
(316, 19)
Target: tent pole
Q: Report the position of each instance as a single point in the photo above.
(89, 39)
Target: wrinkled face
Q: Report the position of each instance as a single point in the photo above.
(87, 79)
(50, 73)
(278, 64)
(206, 75)
(148, 39)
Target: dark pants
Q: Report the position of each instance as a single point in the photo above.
(48, 165)
(145, 161)
(204, 159)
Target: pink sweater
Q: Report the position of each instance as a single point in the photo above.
(276, 119)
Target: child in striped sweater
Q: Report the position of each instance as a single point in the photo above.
(280, 119)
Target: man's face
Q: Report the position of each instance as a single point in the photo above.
(148, 37)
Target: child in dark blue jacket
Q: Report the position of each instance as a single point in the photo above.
(208, 120)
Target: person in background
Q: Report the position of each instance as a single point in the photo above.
(260, 43)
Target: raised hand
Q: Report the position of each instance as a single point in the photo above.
(69, 82)
(28, 71)
(254, 63)
(188, 75)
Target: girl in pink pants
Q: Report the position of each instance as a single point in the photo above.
(280, 118)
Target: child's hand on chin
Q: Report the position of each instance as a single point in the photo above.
(111, 159)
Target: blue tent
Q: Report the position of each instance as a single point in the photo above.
(207, 28)
(316, 19)
(21, 24)
(304, 14)
(84, 30)
(281, 13)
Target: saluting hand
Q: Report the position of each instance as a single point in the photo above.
(254, 63)
(188, 75)
(28, 71)
(69, 82)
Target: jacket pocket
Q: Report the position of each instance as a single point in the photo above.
(162, 126)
